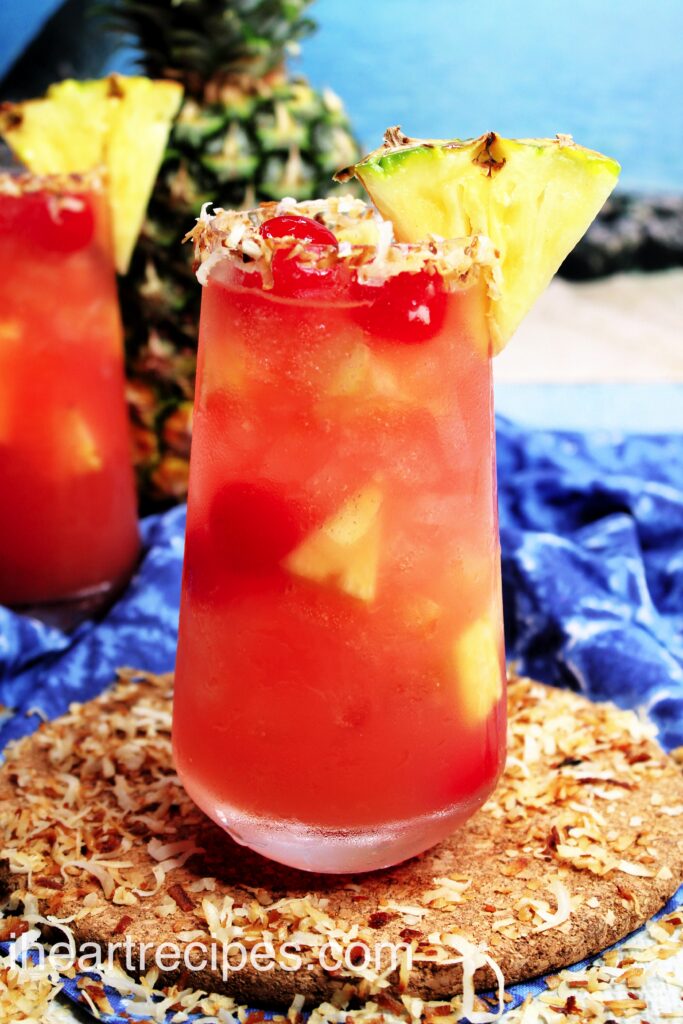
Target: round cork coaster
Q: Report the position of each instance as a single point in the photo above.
(581, 843)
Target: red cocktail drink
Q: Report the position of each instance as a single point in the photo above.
(68, 520)
(340, 677)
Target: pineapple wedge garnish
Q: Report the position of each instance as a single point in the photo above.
(534, 198)
(477, 670)
(118, 123)
(344, 551)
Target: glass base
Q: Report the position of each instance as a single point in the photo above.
(342, 851)
(69, 612)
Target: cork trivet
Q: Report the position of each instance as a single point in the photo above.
(580, 844)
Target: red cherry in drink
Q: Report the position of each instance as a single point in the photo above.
(303, 229)
(251, 527)
(407, 308)
(59, 225)
(290, 276)
(49, 224)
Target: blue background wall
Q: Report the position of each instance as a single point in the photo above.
(610, 72)
(19, 20)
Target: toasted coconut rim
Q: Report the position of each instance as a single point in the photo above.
(366, 244)
(60, 185)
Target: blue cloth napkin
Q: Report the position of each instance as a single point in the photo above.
(592, 541)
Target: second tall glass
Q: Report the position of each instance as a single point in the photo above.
(68, 513)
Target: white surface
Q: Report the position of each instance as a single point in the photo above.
(626, 328)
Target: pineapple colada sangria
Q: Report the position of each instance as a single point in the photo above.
(68, 515)
(340, 675)
(68, 519)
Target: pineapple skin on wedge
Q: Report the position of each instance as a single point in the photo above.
(118, 123)
(534, 198)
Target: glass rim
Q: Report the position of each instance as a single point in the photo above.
(21, 182)
(234, 236)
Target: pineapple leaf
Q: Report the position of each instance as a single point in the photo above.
(197, 41)
(246, 132)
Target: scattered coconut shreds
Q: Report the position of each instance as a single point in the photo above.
(85, 818)
(27, 993)
(615, 985)
(366, 245)
(612, 987)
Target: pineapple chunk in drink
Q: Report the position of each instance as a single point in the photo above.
(344, 551)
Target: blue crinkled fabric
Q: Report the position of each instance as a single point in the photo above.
(592, 542)
(44, 670)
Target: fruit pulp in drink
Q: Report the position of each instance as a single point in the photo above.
(68, 518)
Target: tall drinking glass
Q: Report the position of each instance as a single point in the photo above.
(339, 698)
(68, 518)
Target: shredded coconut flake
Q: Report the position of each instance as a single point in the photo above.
(564, 907)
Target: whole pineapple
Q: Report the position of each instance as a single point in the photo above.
(246, 132)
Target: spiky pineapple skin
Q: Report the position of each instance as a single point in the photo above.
(250, 141)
